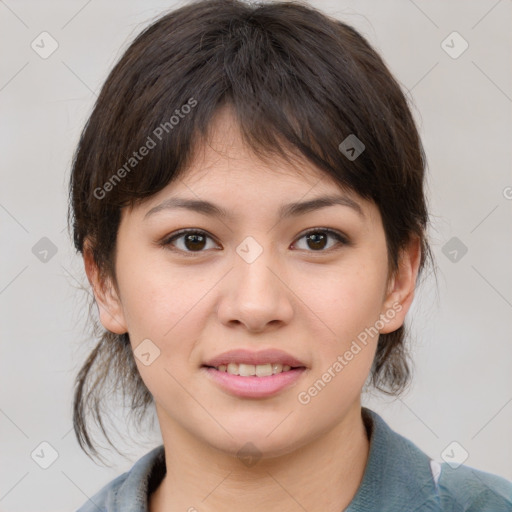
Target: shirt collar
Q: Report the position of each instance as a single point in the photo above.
(397, 475)
(144, 477)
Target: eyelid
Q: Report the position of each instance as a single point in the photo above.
(167, 240)
(338, 235)
(331, 231)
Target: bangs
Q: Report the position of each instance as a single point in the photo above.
(297, 83)
(285, 100)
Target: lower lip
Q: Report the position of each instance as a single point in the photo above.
(254, 387)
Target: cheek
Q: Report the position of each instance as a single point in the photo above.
(169, 308)
(346, 299)
(157, 296)
(348, 303)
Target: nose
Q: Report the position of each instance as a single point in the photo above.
(256, 295)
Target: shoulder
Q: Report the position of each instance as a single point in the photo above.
(103, 500)
(466, 489)
(401, 477)
(129, 492)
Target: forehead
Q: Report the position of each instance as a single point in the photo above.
(225, 170)
(223, 162)
(224, 151)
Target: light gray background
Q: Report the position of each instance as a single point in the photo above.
(462, 343)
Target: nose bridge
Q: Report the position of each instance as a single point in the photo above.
(255, 278)
(256, 296)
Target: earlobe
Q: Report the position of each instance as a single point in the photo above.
(109, 305)
(402, 286)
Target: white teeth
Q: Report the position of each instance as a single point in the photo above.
(246, 370)
(264, 370)
(277, 368)
(249, 370)
(232, 368)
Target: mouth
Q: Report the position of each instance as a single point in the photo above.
(242, 383)
(248, 374)
(254, 370)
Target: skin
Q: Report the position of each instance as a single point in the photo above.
(309, 302)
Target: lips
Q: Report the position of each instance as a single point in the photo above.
(246, 374)
(262, 357)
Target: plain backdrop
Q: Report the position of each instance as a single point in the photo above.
(461, 343)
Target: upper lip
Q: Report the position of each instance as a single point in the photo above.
(251, 357)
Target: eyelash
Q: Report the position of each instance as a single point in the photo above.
(167, 242)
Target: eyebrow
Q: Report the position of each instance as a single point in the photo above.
(287, 210)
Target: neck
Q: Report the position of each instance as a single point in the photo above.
(323, 475)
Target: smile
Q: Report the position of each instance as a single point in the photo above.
(249, 370)
(247, 384)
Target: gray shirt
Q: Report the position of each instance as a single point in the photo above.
(398, 477)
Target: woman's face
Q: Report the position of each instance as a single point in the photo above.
(253, 281)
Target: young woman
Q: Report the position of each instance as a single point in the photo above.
(248, 199)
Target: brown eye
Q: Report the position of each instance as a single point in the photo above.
(317, 239)
(194, 241)
(188, 241)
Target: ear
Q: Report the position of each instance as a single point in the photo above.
(109, 305)
(402, 285)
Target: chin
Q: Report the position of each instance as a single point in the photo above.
(252, 443)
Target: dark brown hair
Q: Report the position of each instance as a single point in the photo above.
(297, 81)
